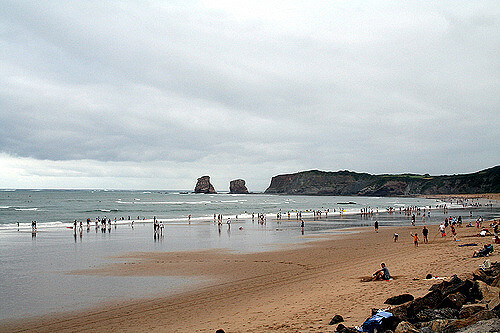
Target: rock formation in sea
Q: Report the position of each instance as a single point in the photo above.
(316, 182)
(238, 186)
(204, 186)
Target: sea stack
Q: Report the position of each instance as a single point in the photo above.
(237, 186)
(203, 186)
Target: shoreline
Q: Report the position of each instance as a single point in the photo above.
(490, 196)
(297, 289)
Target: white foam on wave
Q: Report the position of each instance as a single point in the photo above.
(172, 202)
(27, 209)
(40, 225)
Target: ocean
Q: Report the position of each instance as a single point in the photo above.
(36, 276)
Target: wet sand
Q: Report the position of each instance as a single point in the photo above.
(488, 196)
(297, 289)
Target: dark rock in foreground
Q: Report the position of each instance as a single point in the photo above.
(400, 299)
(238, 186)
(484, 326)
(203, 186)
(433, 314)
(336, 319)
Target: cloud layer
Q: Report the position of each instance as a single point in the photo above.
(148, 94)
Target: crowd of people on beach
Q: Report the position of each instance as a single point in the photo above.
(415, 214)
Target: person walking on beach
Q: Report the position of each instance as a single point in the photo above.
(415, 239)
(376, 226)
(442, 229)
(453, 232)
(396, 236)
(425, 232)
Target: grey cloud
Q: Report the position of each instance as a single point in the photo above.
(368, 87)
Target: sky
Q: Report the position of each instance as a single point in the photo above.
(154, 94)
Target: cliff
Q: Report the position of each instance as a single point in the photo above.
(316, 182)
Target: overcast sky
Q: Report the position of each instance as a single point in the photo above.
(154, 94)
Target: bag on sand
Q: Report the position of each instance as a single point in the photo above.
(376, 322)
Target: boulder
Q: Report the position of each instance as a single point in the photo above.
(463, 287)
(429, 301)
(471, 309)
(436, 325)
(401, 312)
(496, 282)
(203, 186)
(494, 304)
(487, 292)
(453, 281)
(454, 285)
(483, 326)
(343, 329)
(433, 314)
(480, 275)
(461, 323)
(454, 301)
(405, 327)
(336, 319)
(474, 293)
(238, 186)
(400, 299)
(491, 272)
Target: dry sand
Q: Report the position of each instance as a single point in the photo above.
(292, 290)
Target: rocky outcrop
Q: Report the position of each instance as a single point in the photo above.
(316, 182)
(204, 186)
(442, 310)
(238, 186)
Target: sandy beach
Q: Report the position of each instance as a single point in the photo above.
(296, 289)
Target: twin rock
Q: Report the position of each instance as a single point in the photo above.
(236, 186)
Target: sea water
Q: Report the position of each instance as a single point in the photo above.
(36, 275)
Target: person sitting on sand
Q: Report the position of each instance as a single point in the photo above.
(484, 252)
(382, 274)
